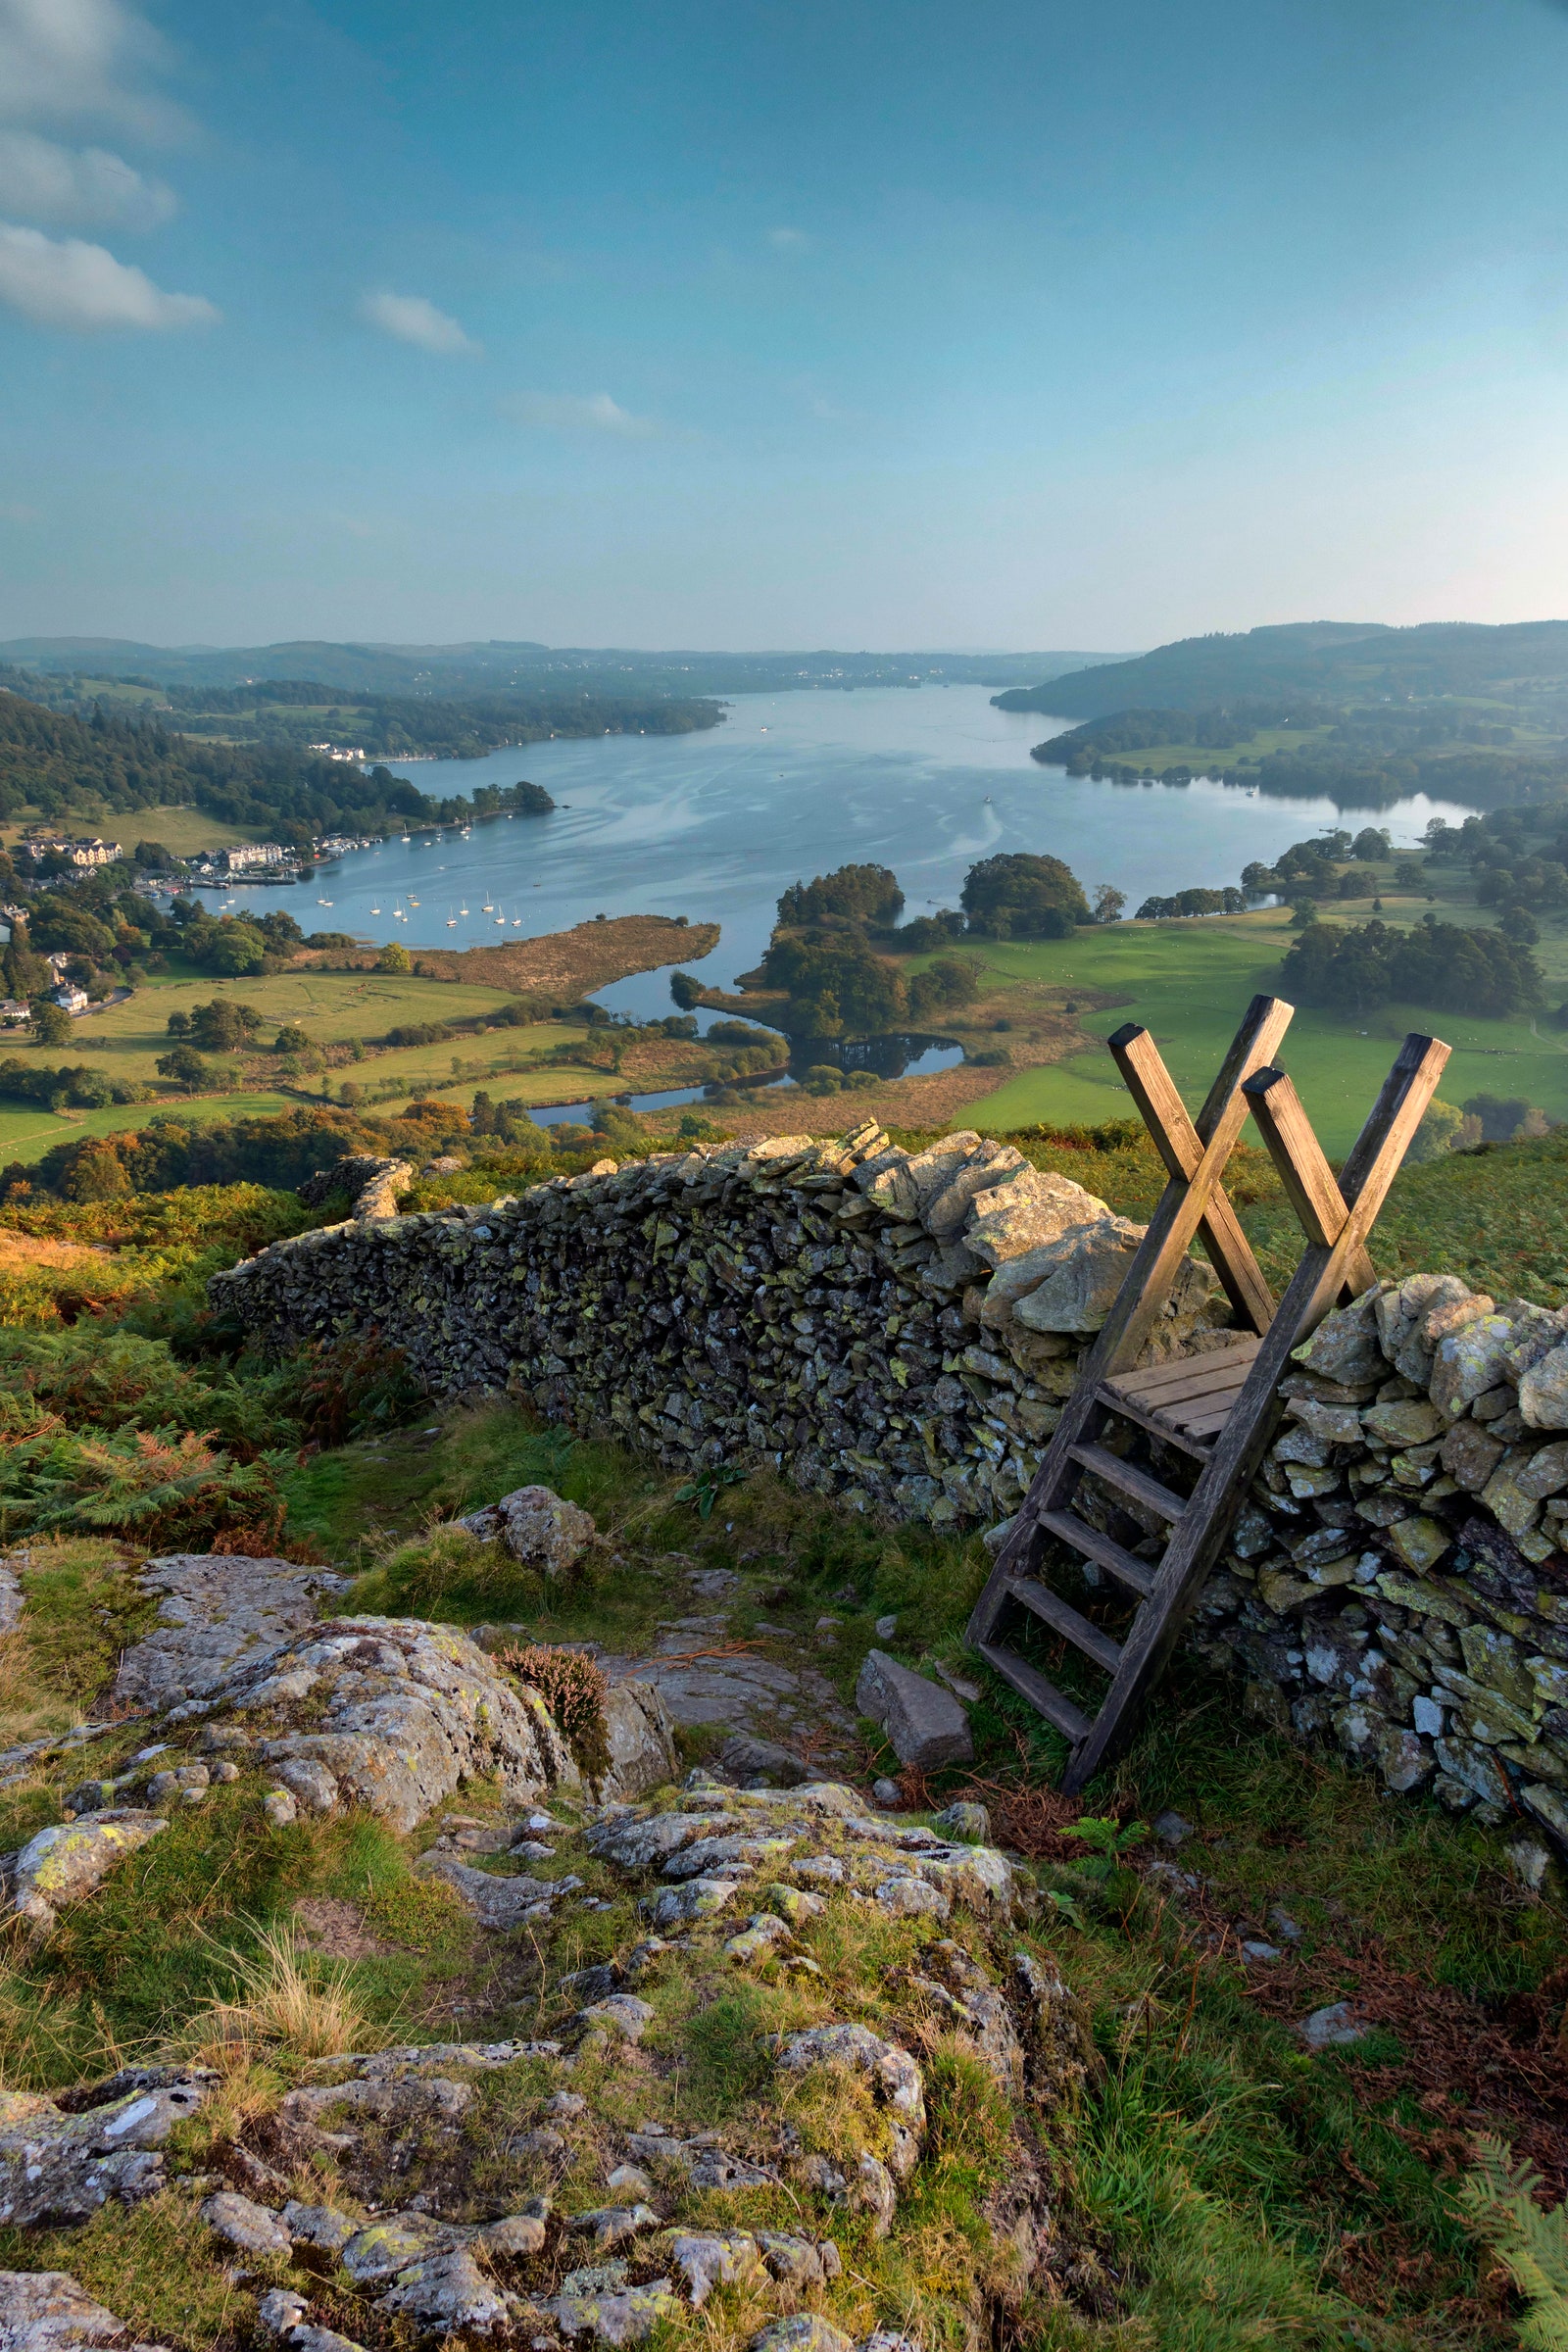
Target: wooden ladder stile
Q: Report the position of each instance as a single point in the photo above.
(1219, 1408)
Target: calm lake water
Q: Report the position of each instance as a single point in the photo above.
(714, 826)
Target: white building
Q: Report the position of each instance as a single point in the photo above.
(90, 849)
(69, 998)
(253, 852)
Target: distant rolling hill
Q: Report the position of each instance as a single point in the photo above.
(1336, 661)
(485, 666)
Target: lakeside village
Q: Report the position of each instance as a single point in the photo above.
(50, 858)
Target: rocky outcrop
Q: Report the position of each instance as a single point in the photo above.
(557, 2188)
(216, 1610)
(47, 2311)
(898, 1328)
(390, 1713)
(59, 2165)
(1396, 1580)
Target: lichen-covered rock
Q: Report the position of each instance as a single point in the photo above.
(895, 2077)
(64, 1863)
(706, 2262)
(47, 2311)
(217, 1611)
(1543, 1390)
(537, 1526)
(1468, 1362)
(407, 1712)
(57, 2169)
(250, 2227)
(446, 2294)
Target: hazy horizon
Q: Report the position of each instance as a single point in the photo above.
(738, 329)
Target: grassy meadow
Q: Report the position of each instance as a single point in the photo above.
(182, 830)
(1189, 983)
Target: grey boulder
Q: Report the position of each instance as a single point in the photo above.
(537, 1526)
(46, 2311)
(926, 1723)
(66, 1862)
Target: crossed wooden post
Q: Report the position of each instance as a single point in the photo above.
(1221, 1408)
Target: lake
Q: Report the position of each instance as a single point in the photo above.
(715, 825)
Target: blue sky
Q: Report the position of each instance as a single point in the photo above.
(763, 324)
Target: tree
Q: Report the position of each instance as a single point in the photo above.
(864, 894)
(1521, 926)
(685, 990)
(1372, 844)
(291, 1039)
(222, 1027)
(394, 959)
(1018, 896)
(951, 981)
(234, 951)
(1444, 1128)
(185, 1066)
(1109, 903)
(51, 1022)
(1363, 965)
(1500, 1115)
(1407, 876)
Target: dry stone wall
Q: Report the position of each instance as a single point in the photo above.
(897, 1328)
(902, 1329)
(1396, 1578)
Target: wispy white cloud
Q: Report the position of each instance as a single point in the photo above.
(67, 283)
(413, 319)
(85, 61)
(788, 240)
(80, 187)
(580, 411)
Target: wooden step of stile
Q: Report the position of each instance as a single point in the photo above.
(1219, 1407)
(1043, 1696)
(1064, 1618)
(1105, 1552)
(1137, 1485)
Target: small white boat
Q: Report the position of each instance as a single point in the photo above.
(404, 837)
(412, 900)
(463, 911)
(516, 922)
(487, 908)
(376, 910)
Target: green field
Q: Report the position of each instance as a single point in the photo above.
(1190, 982)
(183, 831)
(26, 1132)
(332, 1007)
